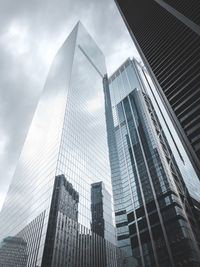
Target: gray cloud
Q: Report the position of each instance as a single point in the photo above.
(31, 33)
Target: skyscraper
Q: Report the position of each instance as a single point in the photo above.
(154, 213)
(167, 35)
(67, 139)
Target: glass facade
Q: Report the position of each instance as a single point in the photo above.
(154, 213)
(67, 137)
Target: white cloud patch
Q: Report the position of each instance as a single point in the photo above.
(16, 38)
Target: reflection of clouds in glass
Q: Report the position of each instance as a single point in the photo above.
(91, 50)
(50, 117)
(96, 103)
(85, 152)
(2, 197)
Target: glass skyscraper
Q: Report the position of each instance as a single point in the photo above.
(67, 140)
(155, 218)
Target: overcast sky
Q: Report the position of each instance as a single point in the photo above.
(31, 32)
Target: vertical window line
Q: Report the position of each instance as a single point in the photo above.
(166, 124)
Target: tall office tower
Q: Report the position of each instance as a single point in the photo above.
(13, 252)
(67, 137)
(167, 35)
(153, 209)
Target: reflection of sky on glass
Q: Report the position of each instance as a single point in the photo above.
(71, 109)
(85, 148)
(90, 48)
(122, 84)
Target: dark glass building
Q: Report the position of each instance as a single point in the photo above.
(155, 218)
(167, 35)
(48, 204)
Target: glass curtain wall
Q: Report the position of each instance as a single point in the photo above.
(67, 137)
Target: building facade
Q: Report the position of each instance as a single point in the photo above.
(13, 252)
(154, 212)
(167, 35)
(67, 137)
